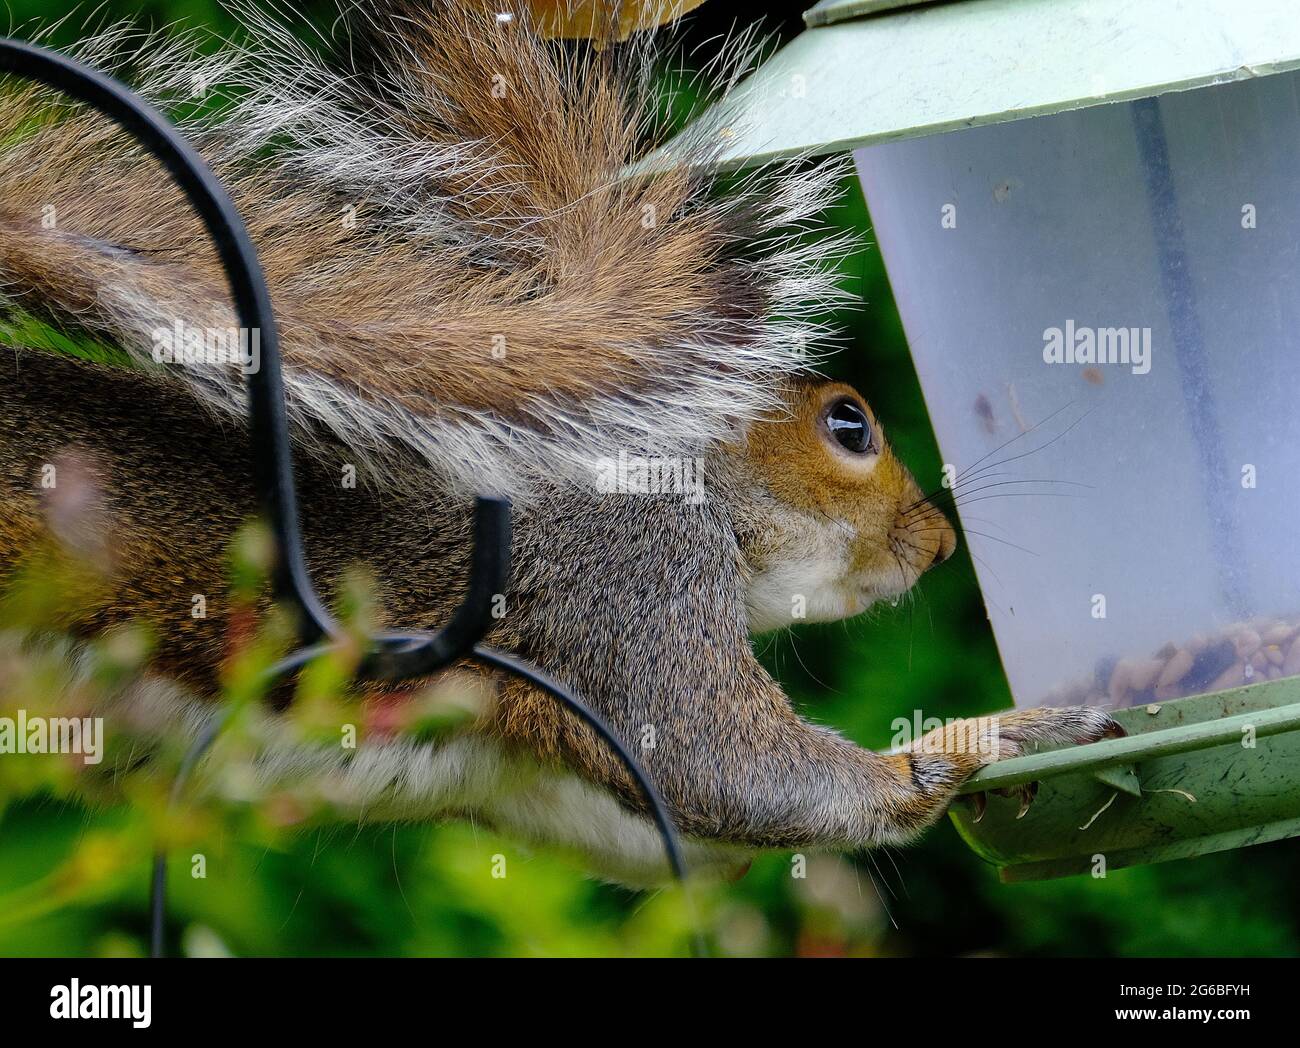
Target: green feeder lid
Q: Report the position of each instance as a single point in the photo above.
(872, 71)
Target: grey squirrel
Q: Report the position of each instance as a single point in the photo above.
(473, 297)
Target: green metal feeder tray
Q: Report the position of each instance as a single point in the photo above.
(1194, 776)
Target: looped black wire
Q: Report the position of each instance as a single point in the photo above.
(396, 656)
(482, 654)
(272, 459)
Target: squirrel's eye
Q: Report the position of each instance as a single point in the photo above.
(850, 426)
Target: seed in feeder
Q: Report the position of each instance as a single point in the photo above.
(1233, 676)
(1142, 673)
(1175, 669)
(1118, 686)
(1208, 665)
(1235, 656)
(1277, 635)
(1246, 643)
(1132, 675)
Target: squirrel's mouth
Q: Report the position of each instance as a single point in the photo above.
(918, 545)
(891, 582)
(909, 562)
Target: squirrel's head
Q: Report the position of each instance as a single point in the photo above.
(838, 521)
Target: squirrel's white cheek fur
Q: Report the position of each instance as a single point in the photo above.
(805, 576)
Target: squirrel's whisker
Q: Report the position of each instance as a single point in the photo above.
(1020, 495)
(970, 473)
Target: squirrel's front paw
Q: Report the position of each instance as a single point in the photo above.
(951, 754)
(1019, 732)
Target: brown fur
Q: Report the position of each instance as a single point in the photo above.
(632, 319)
(600, 286)
(638, 602)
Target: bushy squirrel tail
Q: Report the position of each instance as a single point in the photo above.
(461, 272)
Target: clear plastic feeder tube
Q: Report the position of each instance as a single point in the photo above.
(1104, 306)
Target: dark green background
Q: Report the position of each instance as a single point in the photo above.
(420, 890)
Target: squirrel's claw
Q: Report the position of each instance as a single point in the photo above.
(979, 802)
(1026, 792)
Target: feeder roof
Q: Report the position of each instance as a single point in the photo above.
(870, 71)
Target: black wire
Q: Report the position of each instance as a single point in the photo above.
(511, 664)
(273, 469)
(658, 810)
(158, 887)
(483, 654)
(397, 657)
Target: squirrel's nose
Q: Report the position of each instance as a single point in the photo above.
(947, 545)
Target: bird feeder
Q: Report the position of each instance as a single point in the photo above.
(1089, 214)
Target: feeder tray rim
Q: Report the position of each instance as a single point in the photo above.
(1134, 749)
